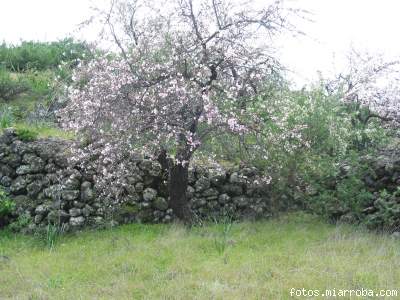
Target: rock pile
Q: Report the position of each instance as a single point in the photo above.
(48, 189)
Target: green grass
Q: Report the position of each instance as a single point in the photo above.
(44, 131)
(261, 260)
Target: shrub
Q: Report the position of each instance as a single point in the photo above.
(346, 196)
(7, 118)
(39, 82)
(7, 207)
(20, 223)
(9, 87)
(42, 55)
(387, 214)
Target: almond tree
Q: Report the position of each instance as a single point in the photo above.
(372, 84)
(183, 71)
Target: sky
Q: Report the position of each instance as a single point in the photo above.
(336, 27)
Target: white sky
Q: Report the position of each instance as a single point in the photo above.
(338, 24)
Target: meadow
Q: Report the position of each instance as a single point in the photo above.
(249, 260)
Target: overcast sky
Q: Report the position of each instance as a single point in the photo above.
(338, 24)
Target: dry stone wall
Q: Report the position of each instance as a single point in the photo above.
(48, 189)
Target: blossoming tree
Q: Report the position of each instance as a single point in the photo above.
(370, 83)
(183, 71)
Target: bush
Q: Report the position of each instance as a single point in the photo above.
(9, 87)
(347, 196)
(39, 82)
(7, 207)
(387, 214)
(41, 55)
(20, 223)
(7, 118)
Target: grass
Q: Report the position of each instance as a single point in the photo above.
(44, 130)
(13, 113)
(261, 260)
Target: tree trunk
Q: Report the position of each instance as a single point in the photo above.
(178, 183)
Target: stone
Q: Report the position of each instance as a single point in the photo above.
(218, 180)
(5, 181)
(77, 221)
(87, 210)
(249, 171)
(224, 198)
(87, 194)
(139, 187)
(47, 149)
(191, 176)
(134, 178)
(7, 170)
(202, 184)
(69, 195)
(158, 215)
(235, 178)
(98, 220)
(72, 183)
(21, 147)
(41, 209)
(240, 201)
(149, 194)
(75, 212)
(167, 219)
(8, 136)
(210, 192)
(160, 203)
(53, 192)
(144, 204)
(57, 204)
(199, 202)
(233, 189)
(38, 219)
(32, 164)
(34, 188)
(52, 178)
(58, 217)
(153, 168)
(24, 203)
(78, 204)
(18, 186)
(130, 189)
(60, 160)
(190, 192)
(50, 168)
(13, 160)
(396, 234)
(212, 204)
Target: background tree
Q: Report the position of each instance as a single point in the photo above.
(184, 71)
(370, 85)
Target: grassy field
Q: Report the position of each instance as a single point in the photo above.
(261, 260)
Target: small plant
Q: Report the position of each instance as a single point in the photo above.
(7, 207)
(26, 134)
(52, 233)
(6, 204)
(39, 82)
(49, 235)
(221, 239)
(20, 223)
(10, 87)
(7, 118)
